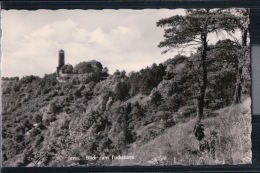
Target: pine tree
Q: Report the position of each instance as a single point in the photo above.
(243, 25)
(193, 29)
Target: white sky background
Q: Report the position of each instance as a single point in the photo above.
(119, 39)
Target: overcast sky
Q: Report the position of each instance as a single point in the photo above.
(119, 39)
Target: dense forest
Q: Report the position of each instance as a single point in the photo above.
(187, 110)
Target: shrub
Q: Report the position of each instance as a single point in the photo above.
(121, 90)
(77, 92)
(45, 91)
(174, 102)
(7, 90)
(19, 129)
(19, 138)
(37, 118)
(156, 98)
(67, 69)
(188, 111)
(29, 79)
(16, 87)
(53, 108)
(47, 118)
(137, 110)
(35, 132)
(27, 125)
(39, 139)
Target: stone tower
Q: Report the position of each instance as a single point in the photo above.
(61, 60)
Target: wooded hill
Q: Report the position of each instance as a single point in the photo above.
(46, 122)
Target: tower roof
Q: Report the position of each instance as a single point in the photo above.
(62, 51)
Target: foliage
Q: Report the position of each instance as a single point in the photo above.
(87, 67)
(180, 30)
(53, 108)
(67, 69)
(145, 80)
(121, 90)
(156, 98)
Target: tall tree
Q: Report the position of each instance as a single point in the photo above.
(243, 25)
(192, 29)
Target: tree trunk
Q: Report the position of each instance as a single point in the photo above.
(244, 37)
(201, 100)
(203, 86)
(238, 90)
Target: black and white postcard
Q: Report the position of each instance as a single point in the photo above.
(125, 87)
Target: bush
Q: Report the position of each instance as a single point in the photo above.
(29, 79)
(48, 118)
(68, 69)
(65, 123)
(188, 111)
(121, 90)
(156, 98)
(39, 139)
(53, 108)
(19, 138)
(35, 132)
(27, 125)
(16, 87)
(7, 90)
(174, 102)
(37, 118)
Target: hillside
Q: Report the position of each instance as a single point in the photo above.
(178, 145)
(148, 114)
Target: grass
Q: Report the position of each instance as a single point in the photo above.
(228, 135)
